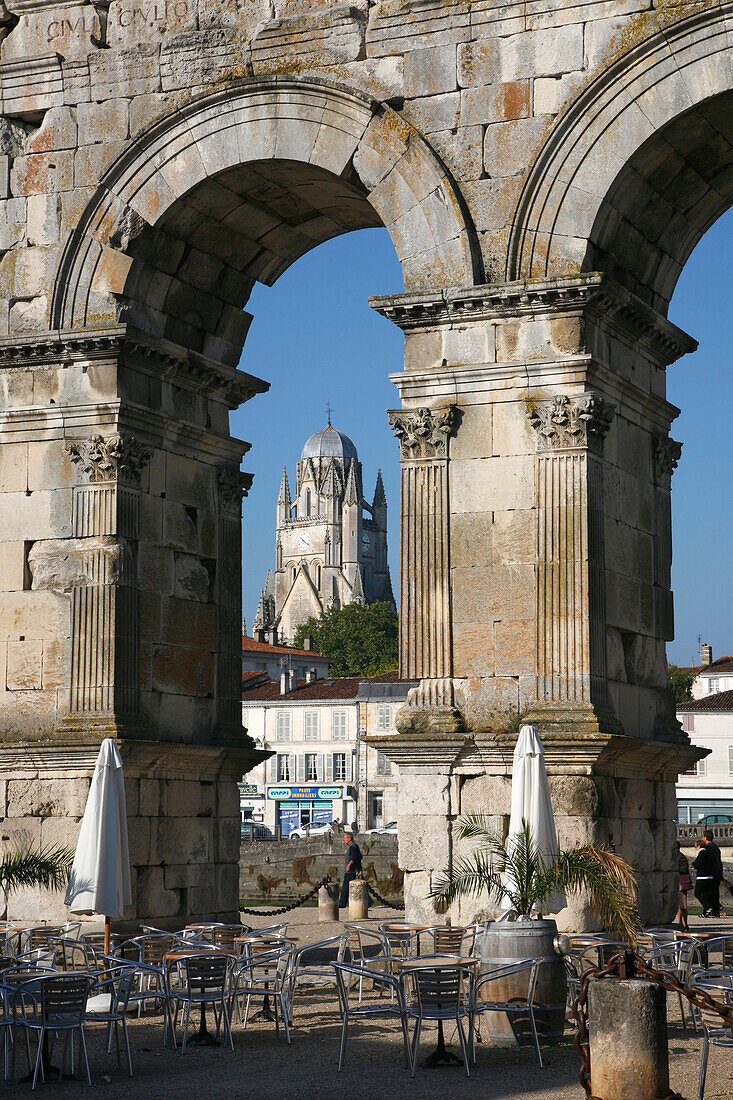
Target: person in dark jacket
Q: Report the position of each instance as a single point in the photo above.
(684, 884)
(704, 866)
(717, 863)
(352, 864)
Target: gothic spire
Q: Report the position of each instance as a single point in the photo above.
(283, 497)
(269, 590)
(329, 487)
(351, 492)
(357, 593)
(379, 496)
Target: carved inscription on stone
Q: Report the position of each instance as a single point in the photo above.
(569, 423)
(422, 433)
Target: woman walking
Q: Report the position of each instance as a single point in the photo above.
(684, 884)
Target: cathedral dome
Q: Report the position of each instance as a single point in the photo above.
(328, 443)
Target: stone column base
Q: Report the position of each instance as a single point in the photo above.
(183, 823)
(606, 789)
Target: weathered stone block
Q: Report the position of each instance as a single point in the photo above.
(430, 72)
(182, 671)
(24, 666)
(495, 103)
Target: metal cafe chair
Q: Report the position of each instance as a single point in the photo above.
(56, 1003)
(447, 939)
(716, 1032)
(346, 974)
(312, 964)
(514, 1008)
(363, 947)
(439, 991)
(205, 981)
(108, 1002)
(264, 971)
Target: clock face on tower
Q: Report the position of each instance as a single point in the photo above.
(365, 540)
(304, 541)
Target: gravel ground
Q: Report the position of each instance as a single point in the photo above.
(265, 1068)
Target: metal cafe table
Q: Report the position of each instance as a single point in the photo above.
(441, 1055)
(203, 1035)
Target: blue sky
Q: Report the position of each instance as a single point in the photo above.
(315, 339)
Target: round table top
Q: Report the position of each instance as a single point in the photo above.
(443, 962)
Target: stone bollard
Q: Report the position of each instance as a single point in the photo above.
(328, 909)
(627, 1027)
(358, 899)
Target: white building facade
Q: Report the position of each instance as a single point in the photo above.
(713, 677)
(708, 787)
(321, 769)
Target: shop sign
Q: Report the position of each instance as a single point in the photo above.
(314, 792)
(248, 789)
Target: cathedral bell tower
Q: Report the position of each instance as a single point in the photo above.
(331, 545)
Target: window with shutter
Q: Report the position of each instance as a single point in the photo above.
(283, 768)
(283, 725)
(384, 716)
(311, 725)
(311, 767)
(702, 767)
(292, 759)
(688, 723)
(319, 767)
(272, 769)
(329, 767)
(730, 759)
(339, 725)
(349, 767)
(339, 766)
(301, 768)
(384, 767)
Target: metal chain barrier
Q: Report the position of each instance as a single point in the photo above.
(288, 908)
(627, 964)
(400, 905)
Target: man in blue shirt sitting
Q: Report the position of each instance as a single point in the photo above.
(353, 865)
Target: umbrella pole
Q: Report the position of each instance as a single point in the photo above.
(106, 935)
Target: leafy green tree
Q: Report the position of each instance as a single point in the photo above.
(679, 682)
(362, 640)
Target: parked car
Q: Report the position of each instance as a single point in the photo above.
(390, 829)
(319, 828)
(253, 830)
(715, 819)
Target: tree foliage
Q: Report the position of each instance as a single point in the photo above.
(362, 640)
(679, 682)
(48, 867)
(518, 874)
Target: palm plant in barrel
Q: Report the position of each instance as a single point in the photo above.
(46, 867)
(516, 875)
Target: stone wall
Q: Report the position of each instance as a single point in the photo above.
(282, 870)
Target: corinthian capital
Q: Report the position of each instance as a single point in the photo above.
(118, 458)
(572, 422)
(232, 484)
(667, 453)
(422, 433)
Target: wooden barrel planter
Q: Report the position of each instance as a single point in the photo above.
(507, 942)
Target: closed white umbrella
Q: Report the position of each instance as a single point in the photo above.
(100, 876)
(531, 802)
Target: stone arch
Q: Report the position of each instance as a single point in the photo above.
(250, 178)
(638, 166)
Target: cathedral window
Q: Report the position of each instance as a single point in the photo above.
(384, 716)
(311, 725)
(318, 577)
(283, 725)
(339, 725)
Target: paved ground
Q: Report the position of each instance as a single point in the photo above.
(265, 1068)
